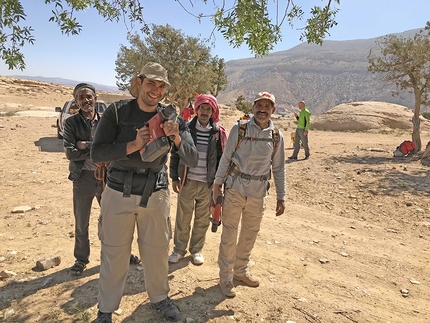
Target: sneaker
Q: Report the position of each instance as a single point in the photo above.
(227, 288)
(169, 311)
(103, 317)
(175, 257)
(292, 157)
(247, 279)
(198, 258)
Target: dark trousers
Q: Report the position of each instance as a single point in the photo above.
(85, 188)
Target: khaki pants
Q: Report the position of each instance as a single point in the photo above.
(234, 254)
(194, 197)
(119, 217)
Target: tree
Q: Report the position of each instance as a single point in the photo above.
(243, 105)
(246, 21)
(188, 61)
(220, 81)
(406, 63)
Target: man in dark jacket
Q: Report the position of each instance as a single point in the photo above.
(136, 193)
(79, 132)
(194, 185)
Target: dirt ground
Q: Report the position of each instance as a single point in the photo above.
(352, 246)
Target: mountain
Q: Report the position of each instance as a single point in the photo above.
(59, 80)
(323, 76)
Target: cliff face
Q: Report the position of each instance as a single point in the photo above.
(324, 76)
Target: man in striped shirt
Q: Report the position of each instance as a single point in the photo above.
(194, 185)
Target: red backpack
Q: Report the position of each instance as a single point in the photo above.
(407, 146)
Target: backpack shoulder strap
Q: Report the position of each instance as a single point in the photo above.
(241, 131)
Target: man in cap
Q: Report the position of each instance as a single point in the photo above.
(79, 131)
(194, 185)
(302, 131)
(136, 193)
(249, 158)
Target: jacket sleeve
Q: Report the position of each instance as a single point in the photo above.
(187, 151)
(69, 141)
(307, 120)
(278, 169)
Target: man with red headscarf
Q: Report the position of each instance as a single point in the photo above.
(194, 185)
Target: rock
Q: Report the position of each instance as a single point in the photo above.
(46, 263)
(22, 209)
(8, 313)
(199, 290)
(324, 260)
(7, 274)
(415, 282)
(344, 254)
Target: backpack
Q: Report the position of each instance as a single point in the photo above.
(233, 170)
(404, 148)
(242, 132)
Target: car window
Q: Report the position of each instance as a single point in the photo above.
(73, 108)
(100, 107)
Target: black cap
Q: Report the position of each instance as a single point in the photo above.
(82, 86)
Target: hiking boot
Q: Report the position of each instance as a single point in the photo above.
(169, 311)
(175, 257)
(198, 258)
(247, 279)
(292, 157)
(227, 288)
(103, 317)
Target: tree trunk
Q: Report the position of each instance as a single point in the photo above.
(416, 137)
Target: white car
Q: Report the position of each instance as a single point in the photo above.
(70, 108)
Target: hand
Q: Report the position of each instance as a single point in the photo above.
(81, 145)
(280, 207)
(142, 136)
(296, 115)
(171, 128)
(176, 185)
(216, 192)
(305, 133)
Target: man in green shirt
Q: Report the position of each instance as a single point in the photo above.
(303, 121)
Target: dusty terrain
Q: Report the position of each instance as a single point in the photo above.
(355, 233)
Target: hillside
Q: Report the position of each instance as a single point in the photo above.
(324, 76)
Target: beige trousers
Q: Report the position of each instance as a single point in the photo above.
(119, 217)
(194, 197)
(234, 254)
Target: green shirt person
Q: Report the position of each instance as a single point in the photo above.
(303, 122)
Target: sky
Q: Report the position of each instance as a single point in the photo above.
(90, 56)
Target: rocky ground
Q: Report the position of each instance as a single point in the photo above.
(352, 246)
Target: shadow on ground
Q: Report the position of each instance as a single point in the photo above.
(50, 145)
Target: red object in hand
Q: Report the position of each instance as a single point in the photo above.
(216, 211)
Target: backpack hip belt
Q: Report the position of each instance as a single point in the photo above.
(234, 171)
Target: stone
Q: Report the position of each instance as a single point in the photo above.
(49, 262)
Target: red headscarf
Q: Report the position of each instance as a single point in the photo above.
(211, 100)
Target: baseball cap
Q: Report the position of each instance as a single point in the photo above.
(152, 71)
(265, 95)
